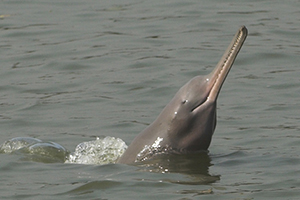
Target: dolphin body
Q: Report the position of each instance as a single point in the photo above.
(187, 123)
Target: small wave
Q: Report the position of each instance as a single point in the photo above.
(35, 150)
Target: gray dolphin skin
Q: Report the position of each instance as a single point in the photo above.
(187, 123)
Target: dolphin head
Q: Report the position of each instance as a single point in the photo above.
(192, 115)
(192, 111)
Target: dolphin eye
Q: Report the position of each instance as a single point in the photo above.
(184, 101)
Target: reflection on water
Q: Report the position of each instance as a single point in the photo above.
(196, 165)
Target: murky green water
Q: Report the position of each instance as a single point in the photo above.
(75, 70)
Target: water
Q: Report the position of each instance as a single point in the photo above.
(75, 71)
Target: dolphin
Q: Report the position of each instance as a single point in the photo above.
(188, 121)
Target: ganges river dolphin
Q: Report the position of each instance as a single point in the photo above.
(187, 123)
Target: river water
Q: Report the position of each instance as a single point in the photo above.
(72, 71)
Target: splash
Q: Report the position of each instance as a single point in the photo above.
(100, 151)
(17, 143)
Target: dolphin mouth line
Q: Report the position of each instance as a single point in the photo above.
(198, 105)
(222, 69)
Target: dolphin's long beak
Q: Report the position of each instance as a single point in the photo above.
(217, 77)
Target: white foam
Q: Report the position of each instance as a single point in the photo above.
(100, 151)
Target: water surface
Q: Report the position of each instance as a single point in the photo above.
(75, 71)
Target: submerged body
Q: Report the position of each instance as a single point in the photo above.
(187, 123)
